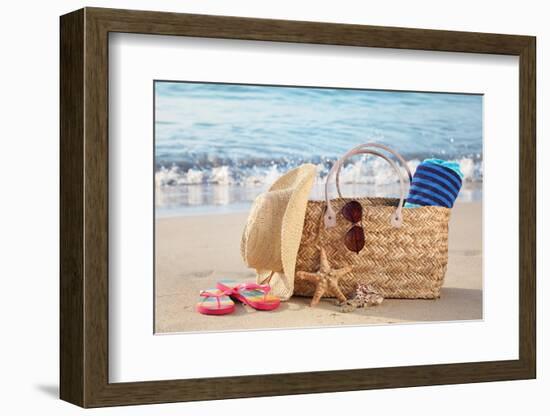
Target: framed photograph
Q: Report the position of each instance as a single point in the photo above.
(255, 207)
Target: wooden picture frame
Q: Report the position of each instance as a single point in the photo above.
(84, 207)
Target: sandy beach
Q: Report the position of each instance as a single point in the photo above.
(193, 252)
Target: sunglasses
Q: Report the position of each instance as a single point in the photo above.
(354, 240)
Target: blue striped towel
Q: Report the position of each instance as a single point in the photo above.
(435, 183)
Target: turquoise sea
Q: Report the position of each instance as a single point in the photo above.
(218, 145)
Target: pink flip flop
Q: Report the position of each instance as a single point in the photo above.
(252, 294)
(215, 302)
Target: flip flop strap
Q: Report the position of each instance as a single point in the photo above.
(252, 286)
(207, 295)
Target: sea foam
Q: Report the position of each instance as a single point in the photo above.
(361, 171)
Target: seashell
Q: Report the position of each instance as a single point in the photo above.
(365, 296)
(368, 296)
(373, 299)
(348, 306)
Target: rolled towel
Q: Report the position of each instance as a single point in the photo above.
(435, 182)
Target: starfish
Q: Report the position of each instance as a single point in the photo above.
(326, 278)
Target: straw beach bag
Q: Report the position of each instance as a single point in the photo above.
(405, 249)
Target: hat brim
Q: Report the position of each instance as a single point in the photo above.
(293, 224)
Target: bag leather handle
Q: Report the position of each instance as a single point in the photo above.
(356, 151)
(397, 218)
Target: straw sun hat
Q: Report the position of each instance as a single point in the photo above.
(272, 235)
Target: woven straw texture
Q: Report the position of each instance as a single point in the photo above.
(406, 263)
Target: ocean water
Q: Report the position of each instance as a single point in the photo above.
(217, 146)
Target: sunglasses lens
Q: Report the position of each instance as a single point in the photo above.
(355, 239)
(352, 211)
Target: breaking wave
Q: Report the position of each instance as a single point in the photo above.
(361, 171)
